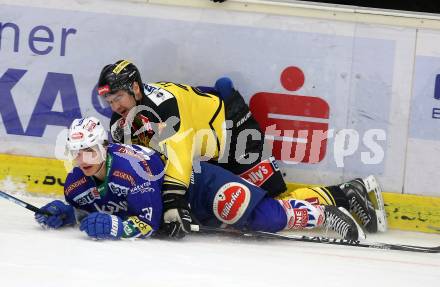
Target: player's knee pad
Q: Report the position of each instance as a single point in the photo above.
(314, 195)
(301, 214)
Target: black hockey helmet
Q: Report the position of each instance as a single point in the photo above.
(118, 76)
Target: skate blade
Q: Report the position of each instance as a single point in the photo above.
(373, 188)
(361, 233)
(434, 228)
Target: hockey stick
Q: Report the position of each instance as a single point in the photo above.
(23, 204)
(434, 228)
(315, 239)
(269, 235)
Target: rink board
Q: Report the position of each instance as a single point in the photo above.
(44, 176)
(370, 78)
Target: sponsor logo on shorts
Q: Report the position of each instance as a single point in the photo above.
(258, 174)
(231, 202)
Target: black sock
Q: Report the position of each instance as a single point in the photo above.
(338, 196)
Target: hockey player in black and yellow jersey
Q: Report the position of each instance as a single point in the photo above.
(187, 124)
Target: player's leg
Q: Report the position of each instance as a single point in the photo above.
(263, 170)
(353, 196)
(219, 196)
(275, 215)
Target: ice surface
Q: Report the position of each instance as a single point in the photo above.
(32, 256)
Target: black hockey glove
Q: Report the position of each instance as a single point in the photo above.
(176, 218)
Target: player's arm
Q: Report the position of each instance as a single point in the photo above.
(145, 209)
(173, 138)
(178, 166)
(145, 213)
(117, 128)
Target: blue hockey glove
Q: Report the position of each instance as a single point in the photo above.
(225, 87)
(62, 214)
(102, 226)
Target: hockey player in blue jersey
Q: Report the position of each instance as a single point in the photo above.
(115, 192)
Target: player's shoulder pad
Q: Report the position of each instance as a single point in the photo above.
(159, 93)
(129, 157)
(162, 105)
(123, 155)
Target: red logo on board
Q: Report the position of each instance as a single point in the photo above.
(296, 125)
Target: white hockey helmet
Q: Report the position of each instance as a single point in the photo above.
(84, 133)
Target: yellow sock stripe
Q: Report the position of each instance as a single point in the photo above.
(329, 195)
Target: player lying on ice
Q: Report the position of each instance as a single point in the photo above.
(179, 112)
(115, 192)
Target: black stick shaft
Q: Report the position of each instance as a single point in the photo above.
(316, 239)
(22, 203)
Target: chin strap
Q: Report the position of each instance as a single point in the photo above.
(100, 168)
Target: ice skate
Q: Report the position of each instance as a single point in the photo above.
(339, 220)
(373, 188)
(362, 207)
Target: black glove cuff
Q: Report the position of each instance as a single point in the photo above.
(172, 200)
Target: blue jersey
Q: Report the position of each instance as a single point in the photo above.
(131, 189)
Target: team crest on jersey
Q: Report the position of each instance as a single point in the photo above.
(231, 202)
